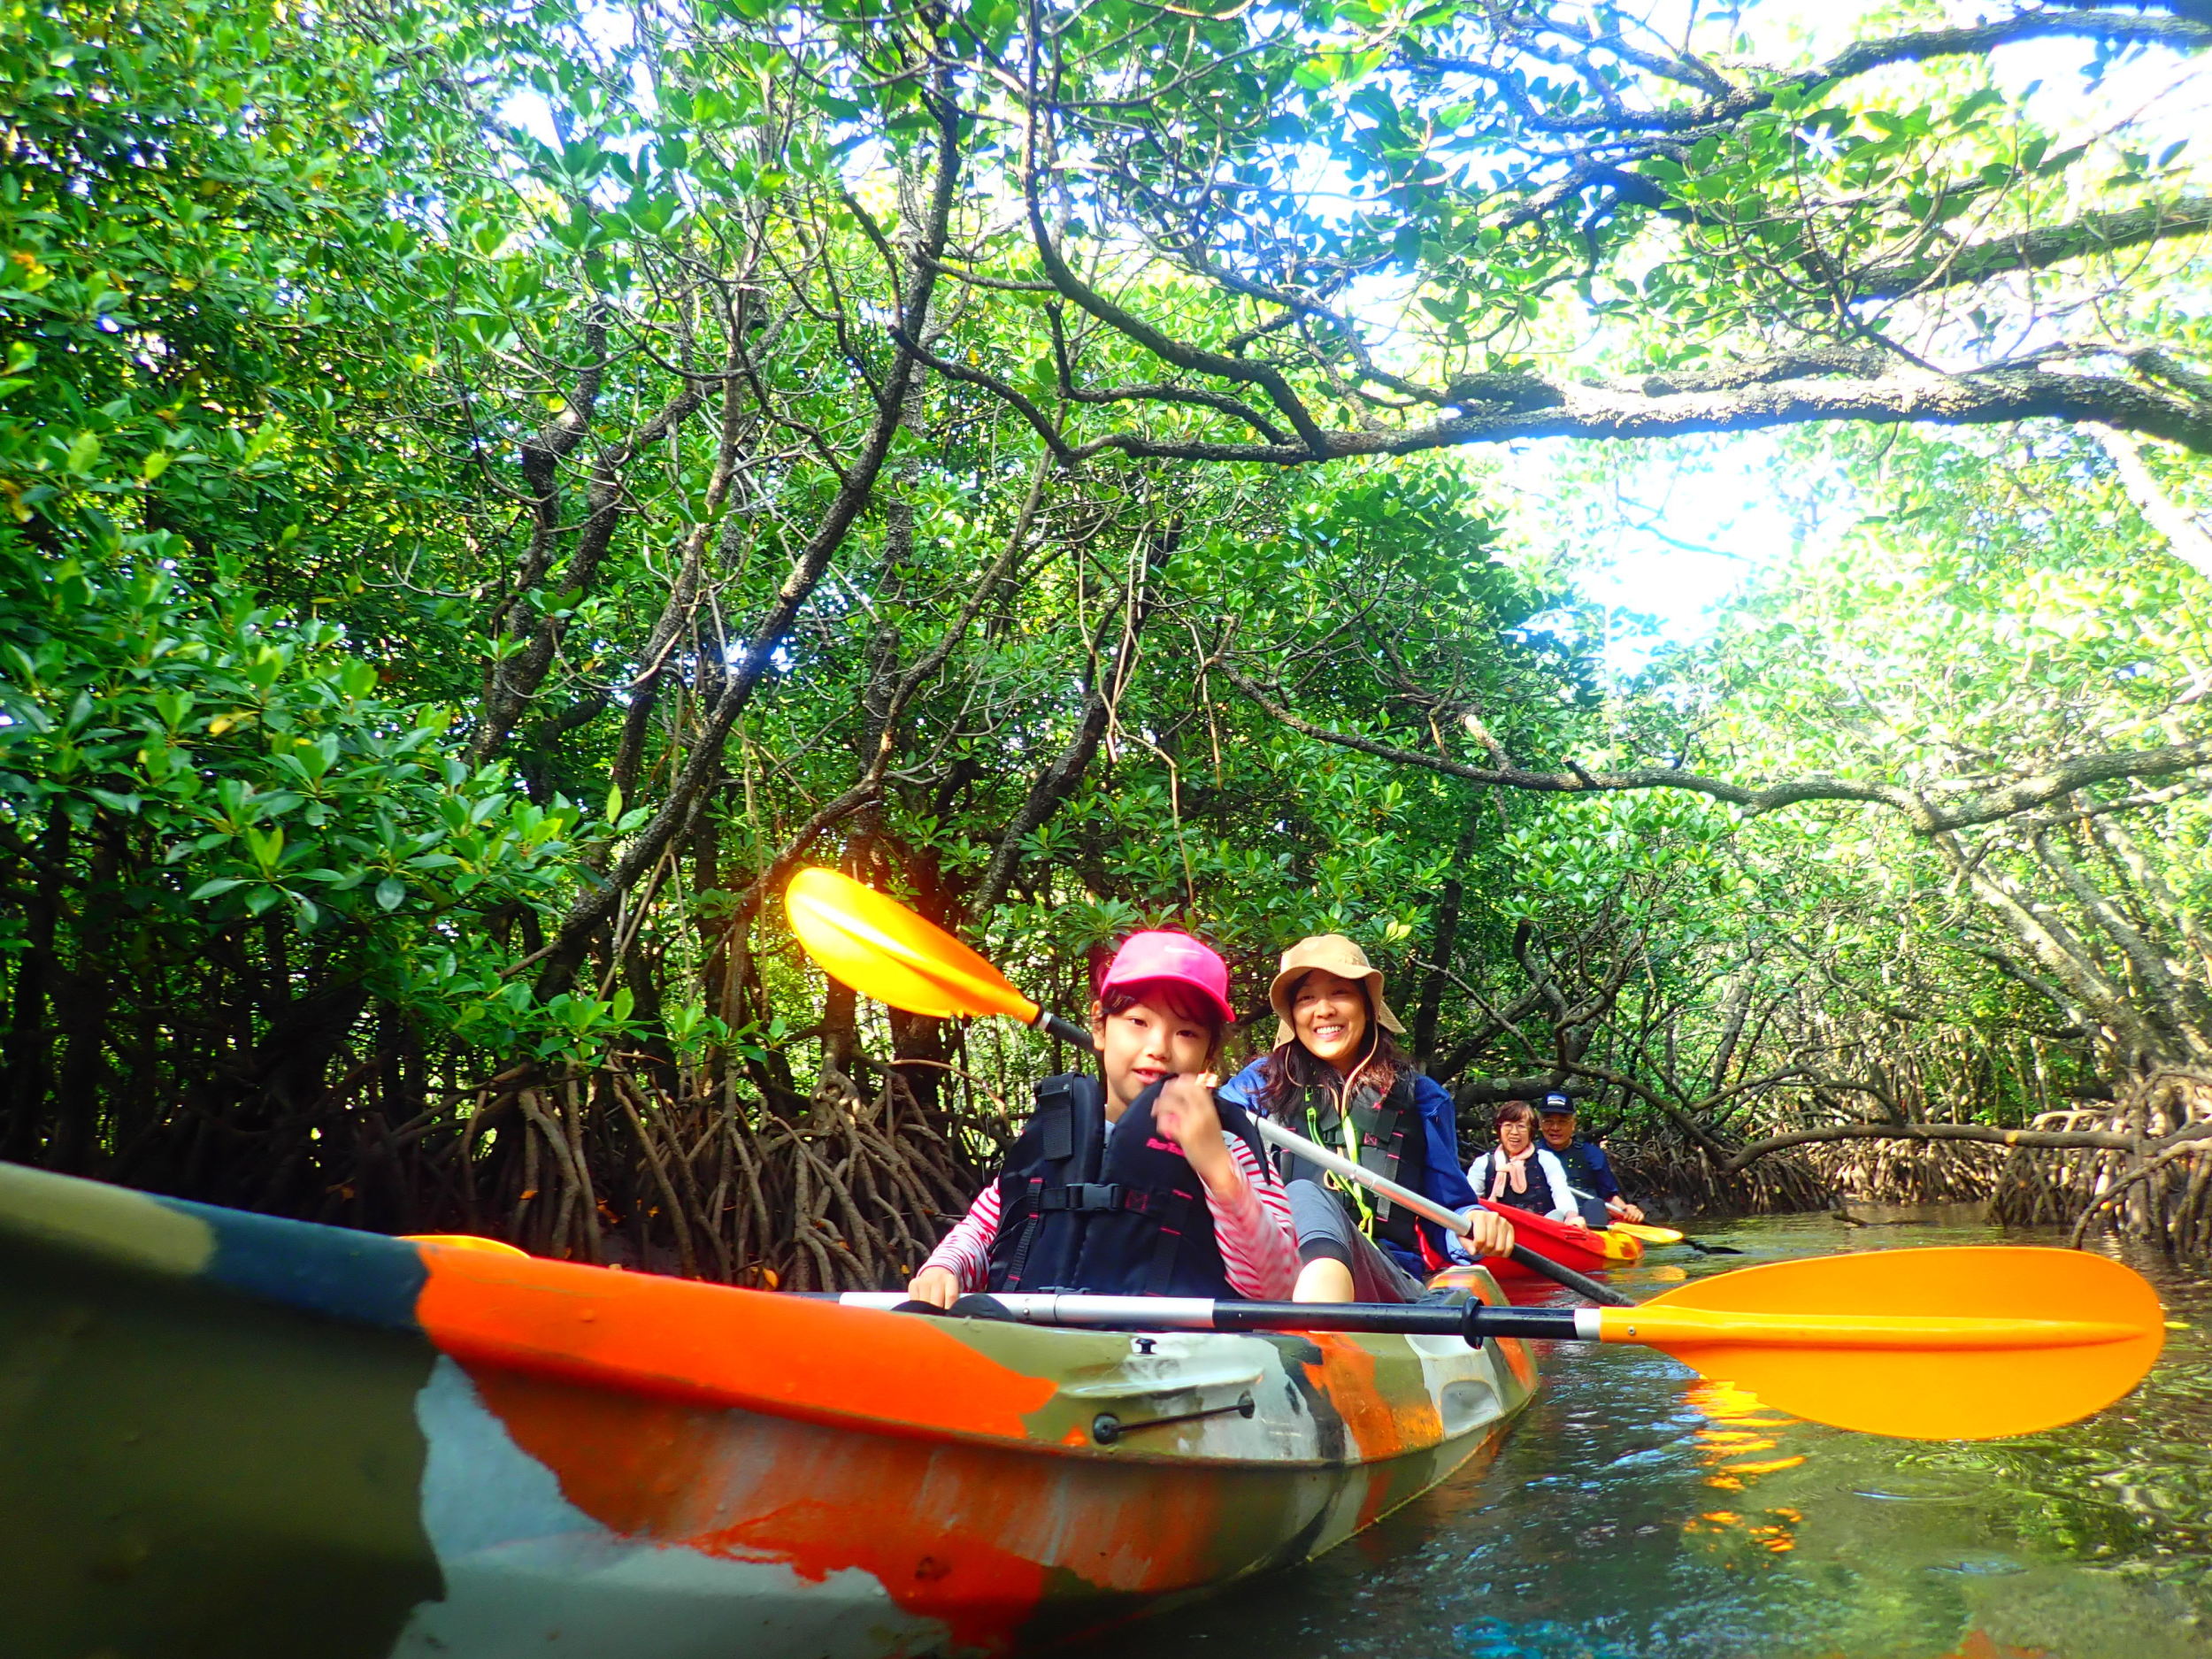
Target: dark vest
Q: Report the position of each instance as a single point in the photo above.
(1393, 1142)
(1584, 1180)
(1538, 1198)
(1118, 1215)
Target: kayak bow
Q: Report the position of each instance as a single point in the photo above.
(230, 1433)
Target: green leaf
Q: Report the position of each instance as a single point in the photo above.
(84, 450)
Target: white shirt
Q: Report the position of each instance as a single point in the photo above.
(1484, 1169)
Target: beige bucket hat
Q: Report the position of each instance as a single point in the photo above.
(1341, 957)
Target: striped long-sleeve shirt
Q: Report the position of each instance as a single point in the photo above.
(1251, 1225)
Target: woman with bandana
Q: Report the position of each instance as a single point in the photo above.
(1522, 1174)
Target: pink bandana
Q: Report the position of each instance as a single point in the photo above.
(1515, 1169)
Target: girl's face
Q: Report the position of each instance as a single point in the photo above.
(1143, 1044)
(1514, 1138)
(1328, 1014)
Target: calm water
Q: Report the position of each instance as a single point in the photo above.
(1637, 1513)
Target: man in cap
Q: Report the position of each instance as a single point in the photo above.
(1588, 1175)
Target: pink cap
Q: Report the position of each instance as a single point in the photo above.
(1144, 958)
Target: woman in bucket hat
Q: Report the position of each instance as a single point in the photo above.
(1337, 1076)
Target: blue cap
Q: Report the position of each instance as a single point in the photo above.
(1554, 1103)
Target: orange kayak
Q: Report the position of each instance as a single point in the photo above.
(229, 1434)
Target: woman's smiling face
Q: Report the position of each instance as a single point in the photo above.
(1514, 1137)
(1328, 1013)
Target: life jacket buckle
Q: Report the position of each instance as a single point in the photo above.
(1084, 1197)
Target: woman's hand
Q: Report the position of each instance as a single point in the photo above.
(1184, 1113)
(1489, 1233)
(1575, 1222)
(935, 1285)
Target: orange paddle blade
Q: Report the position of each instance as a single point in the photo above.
(882, 949)
(1959, 1344)
(1647, 1234)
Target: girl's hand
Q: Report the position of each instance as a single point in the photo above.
(1184, 1113)
(935, 1285)
(1489, 1233)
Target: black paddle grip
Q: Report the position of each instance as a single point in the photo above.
(1066, 1031)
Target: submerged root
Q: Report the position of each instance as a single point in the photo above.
(1668, 1175)
(644, 1167)
(2154, 1191)
(2147, 1194)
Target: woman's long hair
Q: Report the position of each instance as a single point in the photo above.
(1292, 1067)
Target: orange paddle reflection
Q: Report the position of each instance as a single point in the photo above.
(1729, 1446)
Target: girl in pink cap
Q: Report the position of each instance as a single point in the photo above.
(1136, 1182)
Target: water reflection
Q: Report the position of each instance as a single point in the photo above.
(1640, 1513)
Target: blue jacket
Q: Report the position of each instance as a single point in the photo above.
(1444, 1182)
(1603, 1182)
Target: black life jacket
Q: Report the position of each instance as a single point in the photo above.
(1116, 1215)
(1583, 1181)
(1539, 1197)
(1393, 1142)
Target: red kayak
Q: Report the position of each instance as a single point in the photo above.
(1585, 1250)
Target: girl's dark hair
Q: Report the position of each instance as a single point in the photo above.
(1512, 1111)
(1292, 1067)
(1177, 998)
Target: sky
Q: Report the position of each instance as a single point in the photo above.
(1668, 545)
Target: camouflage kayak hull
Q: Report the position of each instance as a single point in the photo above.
(223, 1434)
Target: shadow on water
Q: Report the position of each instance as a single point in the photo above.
(1639, 1513)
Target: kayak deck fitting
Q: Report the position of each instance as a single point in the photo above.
(232, 1433)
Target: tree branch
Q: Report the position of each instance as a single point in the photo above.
(1674, 405)
(1926, 820)
(2185, 538)
(596, 904)
(2132, 26)
(2034, 250)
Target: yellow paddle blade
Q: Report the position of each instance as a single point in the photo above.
(1616, 1244)
(1956, 1344)
(1649, 1235)
(882, 949)
(463, 1241)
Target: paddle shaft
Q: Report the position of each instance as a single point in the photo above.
(1472, 1321)
(1449, 1219)
(1650, 1325)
